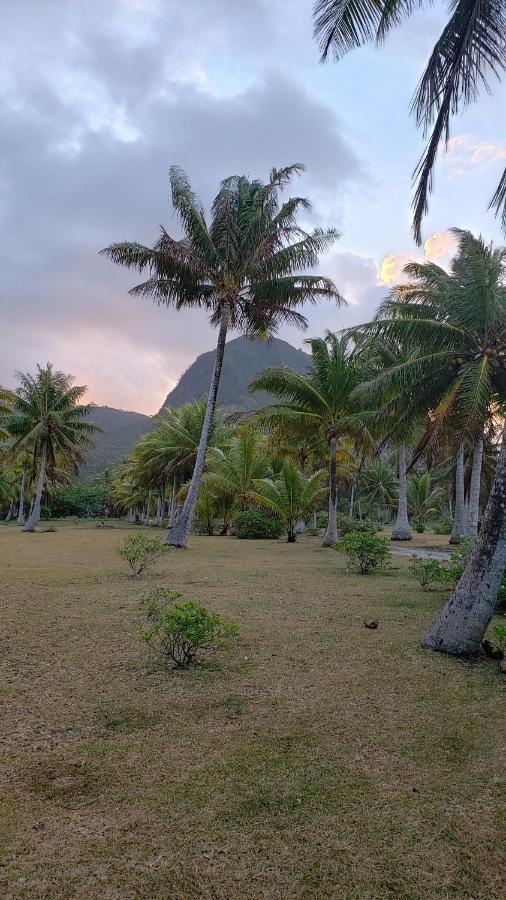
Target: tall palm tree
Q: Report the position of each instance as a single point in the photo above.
(291, 495)
(470, 49)
(47, 419)
(458, 320)
(243, 269)
(234, 471)
(424, 498)
(320, 401)
(6, 400)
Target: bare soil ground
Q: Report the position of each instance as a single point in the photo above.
(313, 759)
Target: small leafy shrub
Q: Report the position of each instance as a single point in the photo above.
(180, 632)
(255, 524)
(366, 551)
(140, 551)
(313, 532)
(459, 558)
(428, 571)
(419, 525)
(444, 525)
(345, 525)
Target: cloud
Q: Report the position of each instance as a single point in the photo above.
(465, 152)
(439, 248)
(84, 162)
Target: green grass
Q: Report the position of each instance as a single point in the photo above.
(313, 759)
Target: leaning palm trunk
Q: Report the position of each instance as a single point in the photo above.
(330, 536)
(21, 511)
(461, 624)
(402, 529)
(34, 516)
(9, 512)
(473, 511)
(177, 536)
(459, 517)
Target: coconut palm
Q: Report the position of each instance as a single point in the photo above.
(378, 485)
(233, 472)
(6, 400)
(291, 496)
(47, 419)
(319, 401)
(470, 49)
(458, 320)
(243, 269)
(424, 498)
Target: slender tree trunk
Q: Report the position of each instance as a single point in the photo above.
(291, 536)
(173, 506)
(9, 512)
(352, 499)
(300, 526)
(330, 536)
(34, 516)
(177, 536)
(130, 516)
(461, 624)
(402, 529)
(459, 521)
(313, 520)
(473, 512)
(21, 511)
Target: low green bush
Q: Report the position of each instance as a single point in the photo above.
(345, 525)
(419, 525)
(140, 551)
(443, 525)
(366, 551)
(255, 524)
(181, 632)
(428, 571)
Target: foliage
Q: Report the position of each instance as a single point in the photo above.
(180, 632)
(443, 525)
(423, 499)
(366, 551)
(500, 636)
(428, 571)
(253, 523)
(88, 499)
(345, 525)
(291, 496)
(141, 551)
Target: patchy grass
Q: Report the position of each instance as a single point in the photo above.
(313, 759)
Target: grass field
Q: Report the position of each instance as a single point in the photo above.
(313, 759)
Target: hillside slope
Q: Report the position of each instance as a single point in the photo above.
(244, 360)
(121, 431)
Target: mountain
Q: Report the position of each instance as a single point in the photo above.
(244, 360)
(121, 431)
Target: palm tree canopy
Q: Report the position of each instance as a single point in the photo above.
(250, 256)
(235, 471)
(291, 496)
(319, 400)
(457, 320)
(46, 412)
(470, 49)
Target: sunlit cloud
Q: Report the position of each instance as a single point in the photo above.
(438, 248)
(464, 151)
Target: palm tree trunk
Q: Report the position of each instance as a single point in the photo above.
(21, 511)
(459, 520)
(177, 536)
(461, 624)
(330, 536)
(314, 520)
(34, 516)
(173, 505)
(352, 497)
(402, 529)
(300, 526)
(473, 512)
(9, 512)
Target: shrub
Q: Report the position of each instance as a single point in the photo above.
(500, 637)
(419, 525)
(443, 525)
(182, 631)
(367, 551)
(141, 551)
(428, 570)
(253, 523)
(345, 525)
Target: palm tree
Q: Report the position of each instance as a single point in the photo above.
(320, 401)
(291, 496)
(459, 322)
(6, 400)
(377, 484)
(233, 472)
(243, 269)
(47, 419)
(424, 499)
(470, 49)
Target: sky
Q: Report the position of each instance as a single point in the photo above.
(98, 100)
